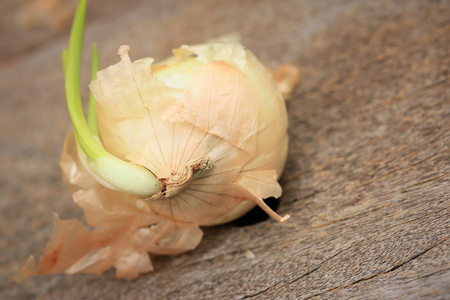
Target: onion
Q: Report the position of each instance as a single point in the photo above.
(196, 140)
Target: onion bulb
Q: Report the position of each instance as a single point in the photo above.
(195, 140)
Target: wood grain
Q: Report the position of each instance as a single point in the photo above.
(368, 175)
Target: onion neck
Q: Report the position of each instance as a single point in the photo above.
(179, 181)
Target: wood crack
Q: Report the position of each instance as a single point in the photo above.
(397, 266)
(292, 281)
(260, 292)
(434, 273)
(316, 268)
(416, 256)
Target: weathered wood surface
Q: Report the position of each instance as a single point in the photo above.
(367, 178)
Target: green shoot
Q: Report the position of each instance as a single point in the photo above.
(107, 169)
(92, 114)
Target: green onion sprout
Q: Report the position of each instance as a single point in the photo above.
(107, 169)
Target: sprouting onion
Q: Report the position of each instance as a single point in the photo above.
(196, 140)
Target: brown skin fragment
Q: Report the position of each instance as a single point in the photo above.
(286, 77)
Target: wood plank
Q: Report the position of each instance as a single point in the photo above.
(367, 178)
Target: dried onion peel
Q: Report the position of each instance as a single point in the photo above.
(198, 139)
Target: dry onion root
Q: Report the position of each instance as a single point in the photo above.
(198, 139)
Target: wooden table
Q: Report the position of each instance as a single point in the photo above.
(367, 177)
